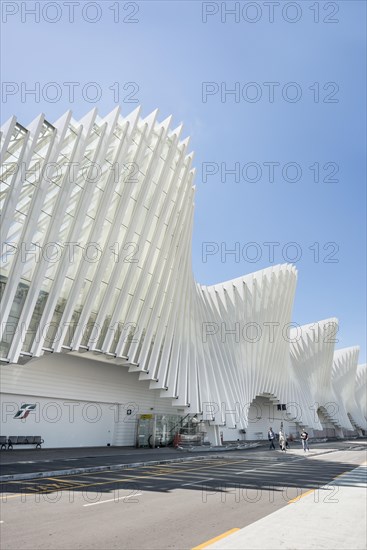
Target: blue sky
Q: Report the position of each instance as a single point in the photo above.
(169, 52)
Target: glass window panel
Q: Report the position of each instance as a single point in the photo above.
(152, 228)
(117, 247)
(154, 260)
(113, 207)
(75, 256)
(16, 228)
(145, 285)
(12, 322)
(104, 233)
(64, 229)
(161, 202)
(31, 255)
(8, 169)
(51, 332)
(126, 220)
(42, 226)
(73, 201)
(33, 328)
(95, 202)
(110, 265)
(47, 281)
(152, 188)
(86, 228)
(52, 268)
(87, 330)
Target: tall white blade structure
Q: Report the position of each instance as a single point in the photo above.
(97, 221)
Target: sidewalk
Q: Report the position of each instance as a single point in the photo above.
(333, 517)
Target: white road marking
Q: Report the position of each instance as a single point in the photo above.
(246, 471)
(268, 466)
(197, 482)
(112, 499)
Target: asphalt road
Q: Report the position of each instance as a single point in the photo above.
(177, 505)
(46, 460)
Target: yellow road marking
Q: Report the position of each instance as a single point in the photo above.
(76, 485)
(313, 490)
(66, 475)
(215, 539)
(301, 496)
(61, 480)
(162, 471)
(97, 473)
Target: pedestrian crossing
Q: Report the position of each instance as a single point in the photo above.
(265, 471)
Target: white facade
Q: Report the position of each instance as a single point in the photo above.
(97, 289)
(79, 402)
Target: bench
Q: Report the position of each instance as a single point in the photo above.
(25, 440)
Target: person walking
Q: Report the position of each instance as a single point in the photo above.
(271, 437)
(304, 439)
(282, 441)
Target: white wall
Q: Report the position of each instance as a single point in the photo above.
(264, 414)
(80, 402)
(60, 422)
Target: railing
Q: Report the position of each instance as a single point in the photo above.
(188, 434)
(179, 423)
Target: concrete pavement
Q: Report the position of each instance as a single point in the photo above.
(332, 517)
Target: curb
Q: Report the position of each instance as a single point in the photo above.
(221, 449)
(71, 471)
